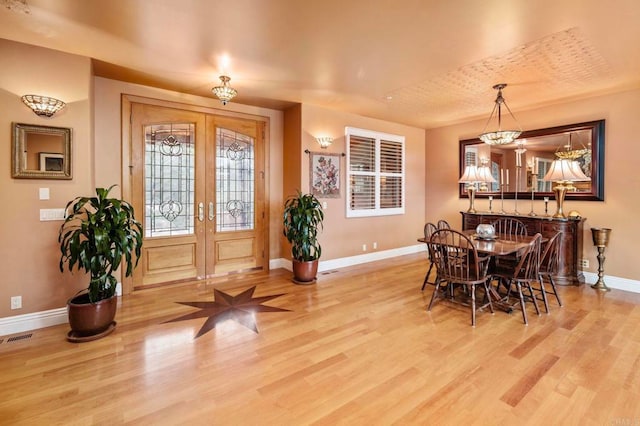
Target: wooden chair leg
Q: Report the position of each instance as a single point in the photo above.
(543, 290)
(555, 290)
(522, 305)
(426, 277)
(533, 297)
(435, 293)
(473, 306)
(488, 296)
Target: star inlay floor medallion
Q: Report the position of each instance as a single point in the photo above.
(240, 308)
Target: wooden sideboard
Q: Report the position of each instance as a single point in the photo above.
(570, 242)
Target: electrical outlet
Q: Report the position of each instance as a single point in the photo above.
(16, 302)
(375, 245)
(584, 263)
(364, 247)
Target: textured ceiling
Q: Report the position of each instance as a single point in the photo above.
(426, 63)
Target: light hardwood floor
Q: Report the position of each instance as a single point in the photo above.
(358, 347)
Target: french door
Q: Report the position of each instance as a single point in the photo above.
(197, 184)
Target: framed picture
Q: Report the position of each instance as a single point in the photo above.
(51, 162)
(324, 174)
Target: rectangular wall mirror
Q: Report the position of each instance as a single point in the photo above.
(41, 152)
(522, 164)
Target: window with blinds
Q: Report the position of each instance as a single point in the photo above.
(375, 173)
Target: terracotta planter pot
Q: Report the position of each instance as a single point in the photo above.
(89, 319)
(305, 272)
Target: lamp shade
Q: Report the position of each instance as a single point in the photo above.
(470, 175)
(565, 171)
(42, 105)
(484, 172)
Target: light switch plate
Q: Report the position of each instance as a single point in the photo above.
(44, 193)
(51, 214)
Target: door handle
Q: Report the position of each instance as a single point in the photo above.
(211, 212)
(201, 212)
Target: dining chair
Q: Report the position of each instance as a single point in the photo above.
(429, 229)
(443, 224)
(508, 227)
(522, 275)
(549, 261)
(458, 264)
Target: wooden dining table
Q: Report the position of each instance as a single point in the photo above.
(501, 245)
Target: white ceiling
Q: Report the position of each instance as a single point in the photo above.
(426, 63)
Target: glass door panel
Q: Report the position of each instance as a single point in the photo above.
(235, 175)
(169, 179)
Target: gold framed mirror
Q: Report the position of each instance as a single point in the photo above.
(40, 152)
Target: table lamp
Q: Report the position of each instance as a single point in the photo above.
(563, 172)
(473, 175)
(470, 177)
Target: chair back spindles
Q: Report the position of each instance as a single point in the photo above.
(443, 224)
(529, 264)
(429, 229)
(549, 263)
(510, 227)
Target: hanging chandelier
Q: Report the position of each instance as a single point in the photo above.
(572, 154)
(225, 92)
(500, 137)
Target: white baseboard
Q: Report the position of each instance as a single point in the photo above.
(35, 320)
(26, 322)
(369, 257)
(280, 263)
(614, 282)
(326, 265)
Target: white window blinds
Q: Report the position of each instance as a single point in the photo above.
(375, 176)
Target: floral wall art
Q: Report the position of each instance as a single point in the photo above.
(324, 174)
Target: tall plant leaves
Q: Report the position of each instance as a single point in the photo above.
(95, 237)
(303, 216)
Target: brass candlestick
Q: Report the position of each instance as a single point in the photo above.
(601, 241)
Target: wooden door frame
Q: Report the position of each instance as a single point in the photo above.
(127, 151)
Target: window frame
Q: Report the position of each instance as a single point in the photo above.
(377, 174)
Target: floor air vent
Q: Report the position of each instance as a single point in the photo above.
(16, 338)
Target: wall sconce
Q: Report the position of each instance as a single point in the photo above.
(225, 92)
(43, 105)
(324, 141)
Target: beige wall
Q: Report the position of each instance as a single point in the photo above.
(28, 247)
(343, 237)
(622, 180)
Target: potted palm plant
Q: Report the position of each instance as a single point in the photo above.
(302, 217)
(97, 235)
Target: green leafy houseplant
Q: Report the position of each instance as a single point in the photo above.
(302, 217)
(95, 237)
